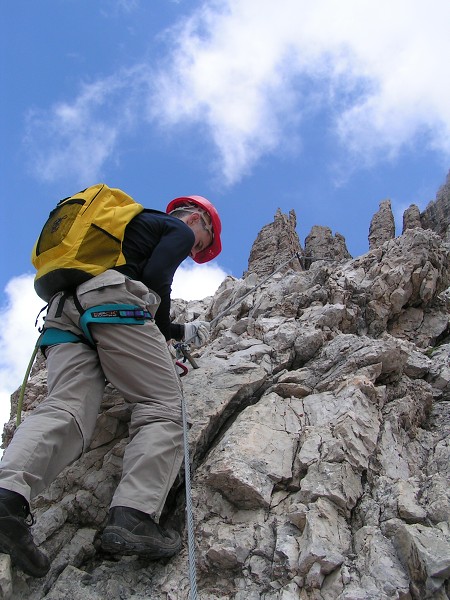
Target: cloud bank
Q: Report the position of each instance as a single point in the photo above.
(195, 282)
(251, 74)
(18, 337)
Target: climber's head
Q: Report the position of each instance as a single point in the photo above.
(202, 217)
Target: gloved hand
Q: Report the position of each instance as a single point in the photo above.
(196, 332)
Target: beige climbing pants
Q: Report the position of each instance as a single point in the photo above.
(135, 359)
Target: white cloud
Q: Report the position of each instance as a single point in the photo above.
(18, 334)
(195, 282)
(77, 138)
(250, 73)
(18, 337)
(248, 68)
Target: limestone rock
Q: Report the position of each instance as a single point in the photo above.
(382, 226)
(274, 245)
(319, 440)
(380, 572)
(236, 467)
(411, 218)
(320, 244)
(6, 584)
(426, 553)
(436, 215)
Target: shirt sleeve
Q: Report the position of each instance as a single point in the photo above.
(173, 247)
(177, 331)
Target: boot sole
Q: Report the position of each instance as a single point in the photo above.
(120, 541)
(19, 560)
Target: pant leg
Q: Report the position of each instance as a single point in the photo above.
(136, 360)
(60, 428)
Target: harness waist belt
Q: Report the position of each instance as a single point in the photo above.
(119, 314)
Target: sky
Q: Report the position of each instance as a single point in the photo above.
(323, 107)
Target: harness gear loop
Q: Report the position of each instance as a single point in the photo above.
(184, 369)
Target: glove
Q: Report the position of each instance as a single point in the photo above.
(196, 332)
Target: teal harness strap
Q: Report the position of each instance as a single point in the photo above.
(49, 337)
(52, 336)
(118, 314)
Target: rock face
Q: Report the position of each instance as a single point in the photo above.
(436, 216)
(411, 218)
(320, 442)
(274, 245)
(382, 226)
(321, 244)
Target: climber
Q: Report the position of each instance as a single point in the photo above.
(136, 360)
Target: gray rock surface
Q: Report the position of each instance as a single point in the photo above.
(382, 226)
(320, 442)
(436, 215)
(411, 218)
(320, 244)
(274, 245)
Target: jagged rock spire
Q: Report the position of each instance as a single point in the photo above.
(382, 226)
(411, 218)
(275, 243)
(321, 244)
(436, 215)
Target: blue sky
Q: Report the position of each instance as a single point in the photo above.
(324, 107)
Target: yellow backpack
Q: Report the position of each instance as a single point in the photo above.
(82, 238)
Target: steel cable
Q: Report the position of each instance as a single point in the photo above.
(189, 512)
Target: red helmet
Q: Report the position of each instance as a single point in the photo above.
(216, 246)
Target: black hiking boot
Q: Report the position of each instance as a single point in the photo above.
(130, 531)
(15, 536)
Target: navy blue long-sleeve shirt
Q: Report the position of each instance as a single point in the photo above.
(154, 246)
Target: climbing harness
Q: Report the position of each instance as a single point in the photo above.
(124, 314)
(51, 336)
(120, 314)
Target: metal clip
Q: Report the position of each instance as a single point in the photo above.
(183, 351)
